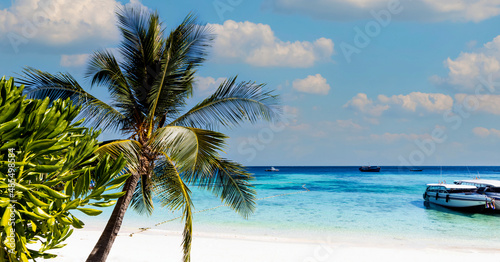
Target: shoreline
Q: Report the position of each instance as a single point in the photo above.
(161, 245)
(360, 236)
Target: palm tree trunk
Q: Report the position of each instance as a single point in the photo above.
(108, 236)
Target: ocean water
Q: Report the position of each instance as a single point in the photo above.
(341, 201)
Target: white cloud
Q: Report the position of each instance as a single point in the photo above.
(207, 85)
(59, 22)
(361, 103)
(420, 10)
(484, 132)
(480, 103)
(416, 102)
(257, 45)
(312, 84)
(74, 60)
(481, 131)
(467, 69)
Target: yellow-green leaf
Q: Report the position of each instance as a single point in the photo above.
(72, 205)
(41, 213)
(5, 222)
(51, 191)
(114, 195)
(35, 200)
(90, 211)
(104, 204)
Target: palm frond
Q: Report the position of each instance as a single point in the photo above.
(129, 148)
(39, 84)
(231, 104)
(190, 148)
(231, 182)
(141, 48)
(142, 199)
(173, 193)
(185, 49)
(103, 69)
(196, 153)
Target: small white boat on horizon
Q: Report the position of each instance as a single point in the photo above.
(457, 196)
(272, 169)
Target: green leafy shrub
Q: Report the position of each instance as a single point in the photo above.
(48, 170)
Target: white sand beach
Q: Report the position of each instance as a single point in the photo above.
(159, 245)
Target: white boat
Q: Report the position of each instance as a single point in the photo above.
(272, 169)
(490, 188)
(456, 196)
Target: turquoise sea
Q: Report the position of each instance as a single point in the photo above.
(341, 202)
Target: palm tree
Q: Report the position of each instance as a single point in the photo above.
(167, 147)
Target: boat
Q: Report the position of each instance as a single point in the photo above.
(457, 196)
(272, 169)
(490, 188)
(369, 169)
(416, 170)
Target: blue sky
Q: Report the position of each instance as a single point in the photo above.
(361, 81)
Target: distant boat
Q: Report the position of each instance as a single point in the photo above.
(416, 170)
(272, 169)
(369, 169)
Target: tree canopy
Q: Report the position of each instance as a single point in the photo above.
(49, 174)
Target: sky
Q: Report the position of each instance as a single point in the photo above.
(408, 82)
